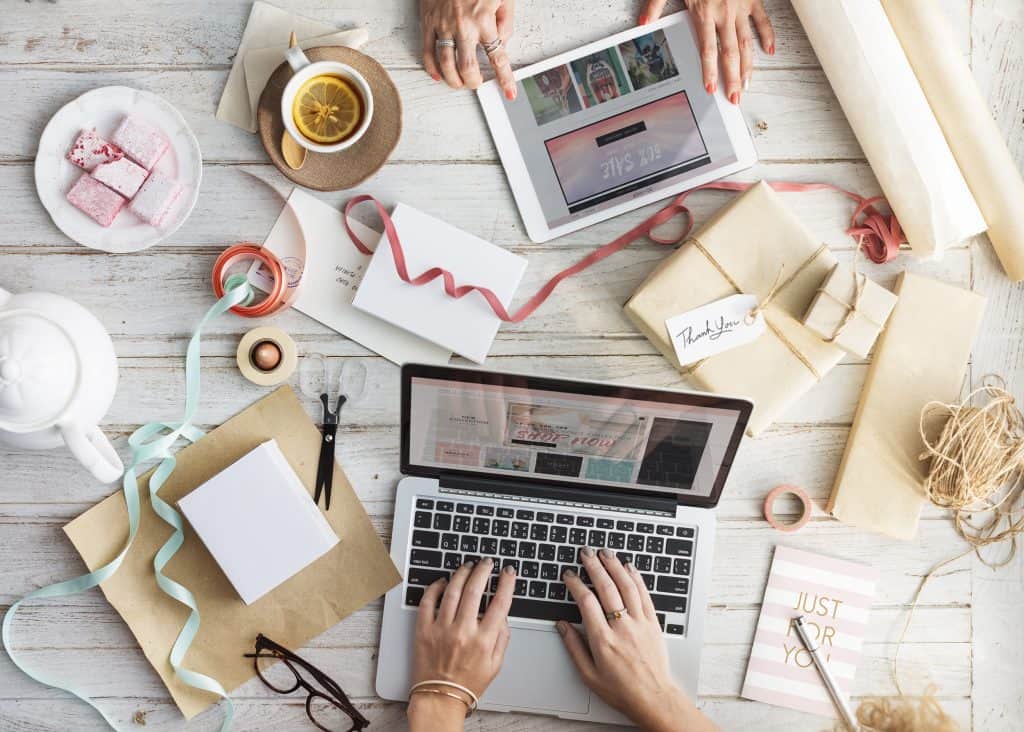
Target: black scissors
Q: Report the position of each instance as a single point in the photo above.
(329, 430)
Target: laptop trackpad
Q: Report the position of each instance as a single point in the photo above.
(538, 675)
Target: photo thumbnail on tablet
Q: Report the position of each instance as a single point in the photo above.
(616, 124)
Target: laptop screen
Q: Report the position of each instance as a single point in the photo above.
(569, 432)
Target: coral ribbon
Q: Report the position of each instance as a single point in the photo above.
(879, 235)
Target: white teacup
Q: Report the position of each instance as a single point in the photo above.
(305, 70)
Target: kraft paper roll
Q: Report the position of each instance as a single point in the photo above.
(973, 136)
(893, 121)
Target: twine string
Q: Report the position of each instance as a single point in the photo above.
(976, 469)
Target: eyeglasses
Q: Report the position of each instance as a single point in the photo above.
(326, 704)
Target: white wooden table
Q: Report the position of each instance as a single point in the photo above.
(967, 637)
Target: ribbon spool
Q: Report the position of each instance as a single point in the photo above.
(769, 507)
(267, 356)
(281, 294)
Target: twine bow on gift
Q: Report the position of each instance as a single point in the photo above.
(776, 288)
(852, 309)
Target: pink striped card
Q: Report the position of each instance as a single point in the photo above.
(835, 597)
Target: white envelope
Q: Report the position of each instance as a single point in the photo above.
(332, 271)
(466, 325)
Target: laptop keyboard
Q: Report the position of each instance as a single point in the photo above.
(541, 545)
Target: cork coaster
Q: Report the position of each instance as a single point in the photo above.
(350, 167)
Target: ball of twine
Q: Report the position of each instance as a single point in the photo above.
(976, 470)
(976, 466)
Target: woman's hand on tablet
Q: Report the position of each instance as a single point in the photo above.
(723, 27)
(624, 659)
(453, 643)
(453, 29)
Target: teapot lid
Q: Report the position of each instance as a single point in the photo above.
(39, 371)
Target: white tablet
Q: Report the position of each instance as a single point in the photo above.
(613, 126)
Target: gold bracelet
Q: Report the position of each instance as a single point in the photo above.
(452, 684)
(469, 708)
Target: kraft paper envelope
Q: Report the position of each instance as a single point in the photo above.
(757, 241)
(356, 571)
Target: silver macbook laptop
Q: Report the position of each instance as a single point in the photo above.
(528, 470)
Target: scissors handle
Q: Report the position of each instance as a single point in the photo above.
(329, 416)
(325, 469)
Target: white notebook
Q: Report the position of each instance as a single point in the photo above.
(258, 521)
(466, 325)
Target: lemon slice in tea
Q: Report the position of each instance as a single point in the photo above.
(327, 109)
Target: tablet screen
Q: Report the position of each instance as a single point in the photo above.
(617, 124)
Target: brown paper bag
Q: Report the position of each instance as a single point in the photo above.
(354, 572)
(744, 248)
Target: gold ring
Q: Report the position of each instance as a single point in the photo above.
(617, 614)
(493, 46)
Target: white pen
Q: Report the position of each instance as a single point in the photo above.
(826, 676)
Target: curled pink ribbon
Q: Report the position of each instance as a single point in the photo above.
(880, 237)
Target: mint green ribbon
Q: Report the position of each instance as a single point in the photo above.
(151, 442)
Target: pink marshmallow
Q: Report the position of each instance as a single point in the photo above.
(90, 150)
(122, 175)
(95, 200)
(141, 140)
(156, 198)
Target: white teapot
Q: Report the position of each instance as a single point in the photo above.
(58, 374)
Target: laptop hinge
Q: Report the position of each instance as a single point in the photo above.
(581, 496)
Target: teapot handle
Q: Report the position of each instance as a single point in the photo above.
(94, 451)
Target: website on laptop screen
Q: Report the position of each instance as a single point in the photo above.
(570, 437)
(619, 123)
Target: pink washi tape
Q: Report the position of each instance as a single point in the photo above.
(769, 504)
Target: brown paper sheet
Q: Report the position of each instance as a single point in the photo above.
(963, 114)
(352, 574)
(754, 238)
(921, 356)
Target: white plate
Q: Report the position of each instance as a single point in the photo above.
(103, 109)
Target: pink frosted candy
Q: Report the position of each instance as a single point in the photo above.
(122, 175)
(141, 140)
(95, 200)
(156, 197)
(90, 150)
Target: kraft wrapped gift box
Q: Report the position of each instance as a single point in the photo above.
(850, 310)
(743, 249)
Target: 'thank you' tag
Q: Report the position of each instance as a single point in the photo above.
(715, 327)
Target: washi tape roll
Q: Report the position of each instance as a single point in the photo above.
(267, 356)
(769, 507)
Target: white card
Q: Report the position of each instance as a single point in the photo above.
(333, 270)
(258, 521)
(466, 325)
(715, 327)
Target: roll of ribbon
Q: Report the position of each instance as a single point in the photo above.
(282, 292)
(769, 507)
(267, 356)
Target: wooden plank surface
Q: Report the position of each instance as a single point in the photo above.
(966, 637)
